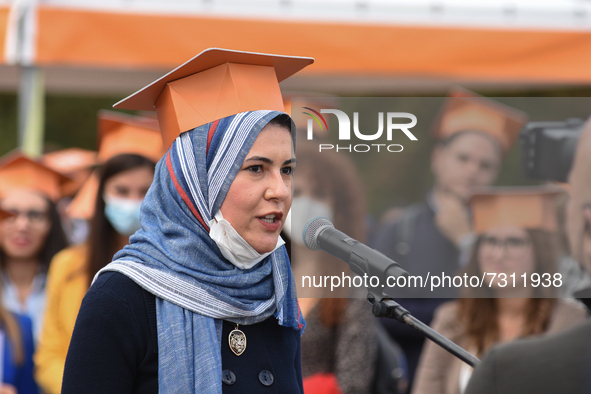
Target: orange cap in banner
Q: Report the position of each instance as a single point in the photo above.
(19, 171)
(466, 111)
(531, 207)
(215, 84)
(121, 133)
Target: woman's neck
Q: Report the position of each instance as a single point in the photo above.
(509, 292)
(22, 272)
(511, 317)
(512, 306)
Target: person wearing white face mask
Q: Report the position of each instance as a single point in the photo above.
(123, 183)
(340, 346)
(202, 300)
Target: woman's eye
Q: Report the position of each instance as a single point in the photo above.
(287, 170)
(463, 158)
(256, 169)
(121, 191)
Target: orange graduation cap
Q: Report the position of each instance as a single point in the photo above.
(121, 133)
(215, 84)
(528, 207)
(70, 160)
(466, 111)
(82, 205)
(19, 171)
(76, 163)
(118, 134)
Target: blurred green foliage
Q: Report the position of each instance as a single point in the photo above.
(70, 121)
(8, 123)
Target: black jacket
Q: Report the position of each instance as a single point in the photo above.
(114, 347)
(559, 363)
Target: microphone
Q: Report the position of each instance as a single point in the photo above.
(320, 234)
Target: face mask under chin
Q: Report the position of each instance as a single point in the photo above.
(233, 247)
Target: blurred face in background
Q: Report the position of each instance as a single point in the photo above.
(467, 161)
(23, 235)
(124, 193)
(306, 187)
(310, 200)
(506, 250)
(131, 184)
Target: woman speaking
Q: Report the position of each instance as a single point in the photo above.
(203, 299)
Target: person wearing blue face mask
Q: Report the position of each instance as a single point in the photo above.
(123, 183)
(123, 214)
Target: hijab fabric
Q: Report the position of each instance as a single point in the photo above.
(173, 257)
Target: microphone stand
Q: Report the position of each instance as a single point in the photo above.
(391, 309)
(320, 233)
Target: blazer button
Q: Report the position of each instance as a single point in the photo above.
(228, 377)
(266, 378)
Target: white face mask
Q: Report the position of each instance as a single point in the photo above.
(233, 246)
(304, 209)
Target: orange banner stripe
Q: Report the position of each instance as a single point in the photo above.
(117, 40)
(3, 31)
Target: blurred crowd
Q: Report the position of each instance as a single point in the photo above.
(64, 215)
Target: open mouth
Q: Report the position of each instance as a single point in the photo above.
(272, 218)
(272, 221)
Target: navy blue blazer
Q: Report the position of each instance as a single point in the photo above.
(114, 347)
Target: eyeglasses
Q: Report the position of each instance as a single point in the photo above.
(33, 216)
(513, 245)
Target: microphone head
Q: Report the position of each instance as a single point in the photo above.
(313, 229)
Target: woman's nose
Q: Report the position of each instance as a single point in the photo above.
(500, 251)
(278, 188)
(21, 222)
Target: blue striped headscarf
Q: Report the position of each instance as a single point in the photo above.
(173, 257)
